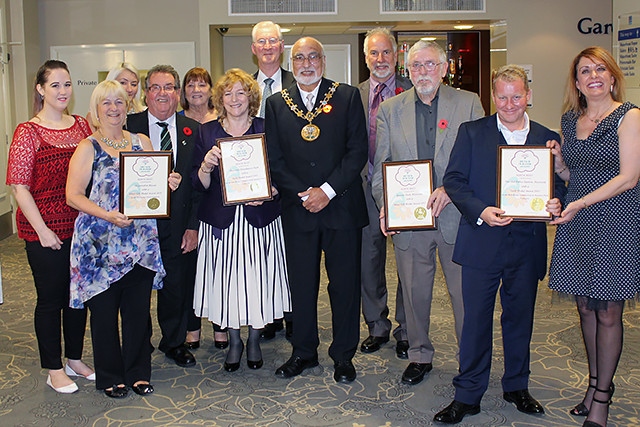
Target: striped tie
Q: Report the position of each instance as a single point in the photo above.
(267, 92)
(165, 137)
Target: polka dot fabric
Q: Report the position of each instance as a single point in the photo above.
(597, 253)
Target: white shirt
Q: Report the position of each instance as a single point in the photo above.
(155, 130)
(517, 137)
(276, 86)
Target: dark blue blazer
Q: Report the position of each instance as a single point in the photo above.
(212, 210)
(471, 183)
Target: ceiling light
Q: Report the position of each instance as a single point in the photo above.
(463, 27)
(428, 39)
(285, 30)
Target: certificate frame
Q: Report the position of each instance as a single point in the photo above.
(244, 169)
(525, 181)
(407, 186)
(144, 185)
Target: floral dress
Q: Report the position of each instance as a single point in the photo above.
(101, 252)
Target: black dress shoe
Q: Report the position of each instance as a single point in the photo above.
(288, 334)
(402, 349)
(117, 392)
(181, 356)
(345, 371)
(142, 389)
(373, 344)
(192, 345)
(524, 401)
(268, 332)
(255, 364)
(294, 366)
(415, 372)
(455, 412)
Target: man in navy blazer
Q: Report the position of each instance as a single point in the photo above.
(179, 233)
(496, 252)
(267, 45)
(317, 145)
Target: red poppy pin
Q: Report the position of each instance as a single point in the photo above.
(399, 90)
(326, 109)
(442, 124)
(187, 131)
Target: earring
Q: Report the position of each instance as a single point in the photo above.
(42, 97)
(611, 88)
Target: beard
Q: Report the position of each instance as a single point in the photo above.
(382, 73)
(307, 80)
(425, 85)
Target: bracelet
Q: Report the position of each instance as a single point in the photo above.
(562, 170)
(584, 202)
(204, 170)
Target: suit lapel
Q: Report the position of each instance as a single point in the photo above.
(407, 119)
(445, 112)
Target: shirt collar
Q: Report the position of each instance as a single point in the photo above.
(277, 76)
(171, 121)
(516, 137)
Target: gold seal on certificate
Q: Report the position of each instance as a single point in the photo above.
(144, 185)
(244, 170)
(407, 187)
(310, 132)
(525, 181)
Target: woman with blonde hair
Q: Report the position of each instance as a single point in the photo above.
(596, 253)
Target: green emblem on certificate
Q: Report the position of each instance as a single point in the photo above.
(153, 203)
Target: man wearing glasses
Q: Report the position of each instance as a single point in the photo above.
(268, 46)
(422, 124)
(317, 144)
(179, 233)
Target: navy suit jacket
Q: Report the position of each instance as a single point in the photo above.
(212, 209)
(286, 80)
(471, 183)
(336, 157)
(185, 200)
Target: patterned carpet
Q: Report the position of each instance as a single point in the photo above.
(206, 395)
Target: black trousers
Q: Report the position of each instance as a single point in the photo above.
(342, 261)
(50, 269)
(129, 360)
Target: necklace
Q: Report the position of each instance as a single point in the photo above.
(227, 128)
(599, 117)
(309, 132)
(114, 144)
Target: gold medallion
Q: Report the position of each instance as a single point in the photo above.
(310, 132)
(153, 203)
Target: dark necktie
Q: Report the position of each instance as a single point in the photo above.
(165, 137)
(373, 113)
(266, 92)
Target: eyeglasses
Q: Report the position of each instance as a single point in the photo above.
(167, 88)
(263, 42)
(429, 65)
(313, 58)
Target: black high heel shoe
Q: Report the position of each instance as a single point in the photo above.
(602, 402)
(580, 410)
(233, 366)
(255, 364)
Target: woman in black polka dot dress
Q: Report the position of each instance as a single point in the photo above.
(596, 254)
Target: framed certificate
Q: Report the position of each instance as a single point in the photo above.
(407, 187)
(144, 185)
(244, 171)
(525, 181)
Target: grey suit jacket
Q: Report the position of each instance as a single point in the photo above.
(396, 141)
(364, 89)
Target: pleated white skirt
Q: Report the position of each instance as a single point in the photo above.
(241, 279)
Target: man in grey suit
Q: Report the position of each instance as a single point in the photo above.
(267, 45)
(422, 123)
(380, 52)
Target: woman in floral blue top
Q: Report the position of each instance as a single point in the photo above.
(115, 261)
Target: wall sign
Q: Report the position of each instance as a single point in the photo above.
(587, 26)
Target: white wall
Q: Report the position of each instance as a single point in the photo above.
(540, 32)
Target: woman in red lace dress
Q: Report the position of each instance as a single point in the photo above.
(37, 173)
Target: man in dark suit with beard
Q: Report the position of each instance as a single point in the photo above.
(179, 233)
(317, 144)
(267, 45)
